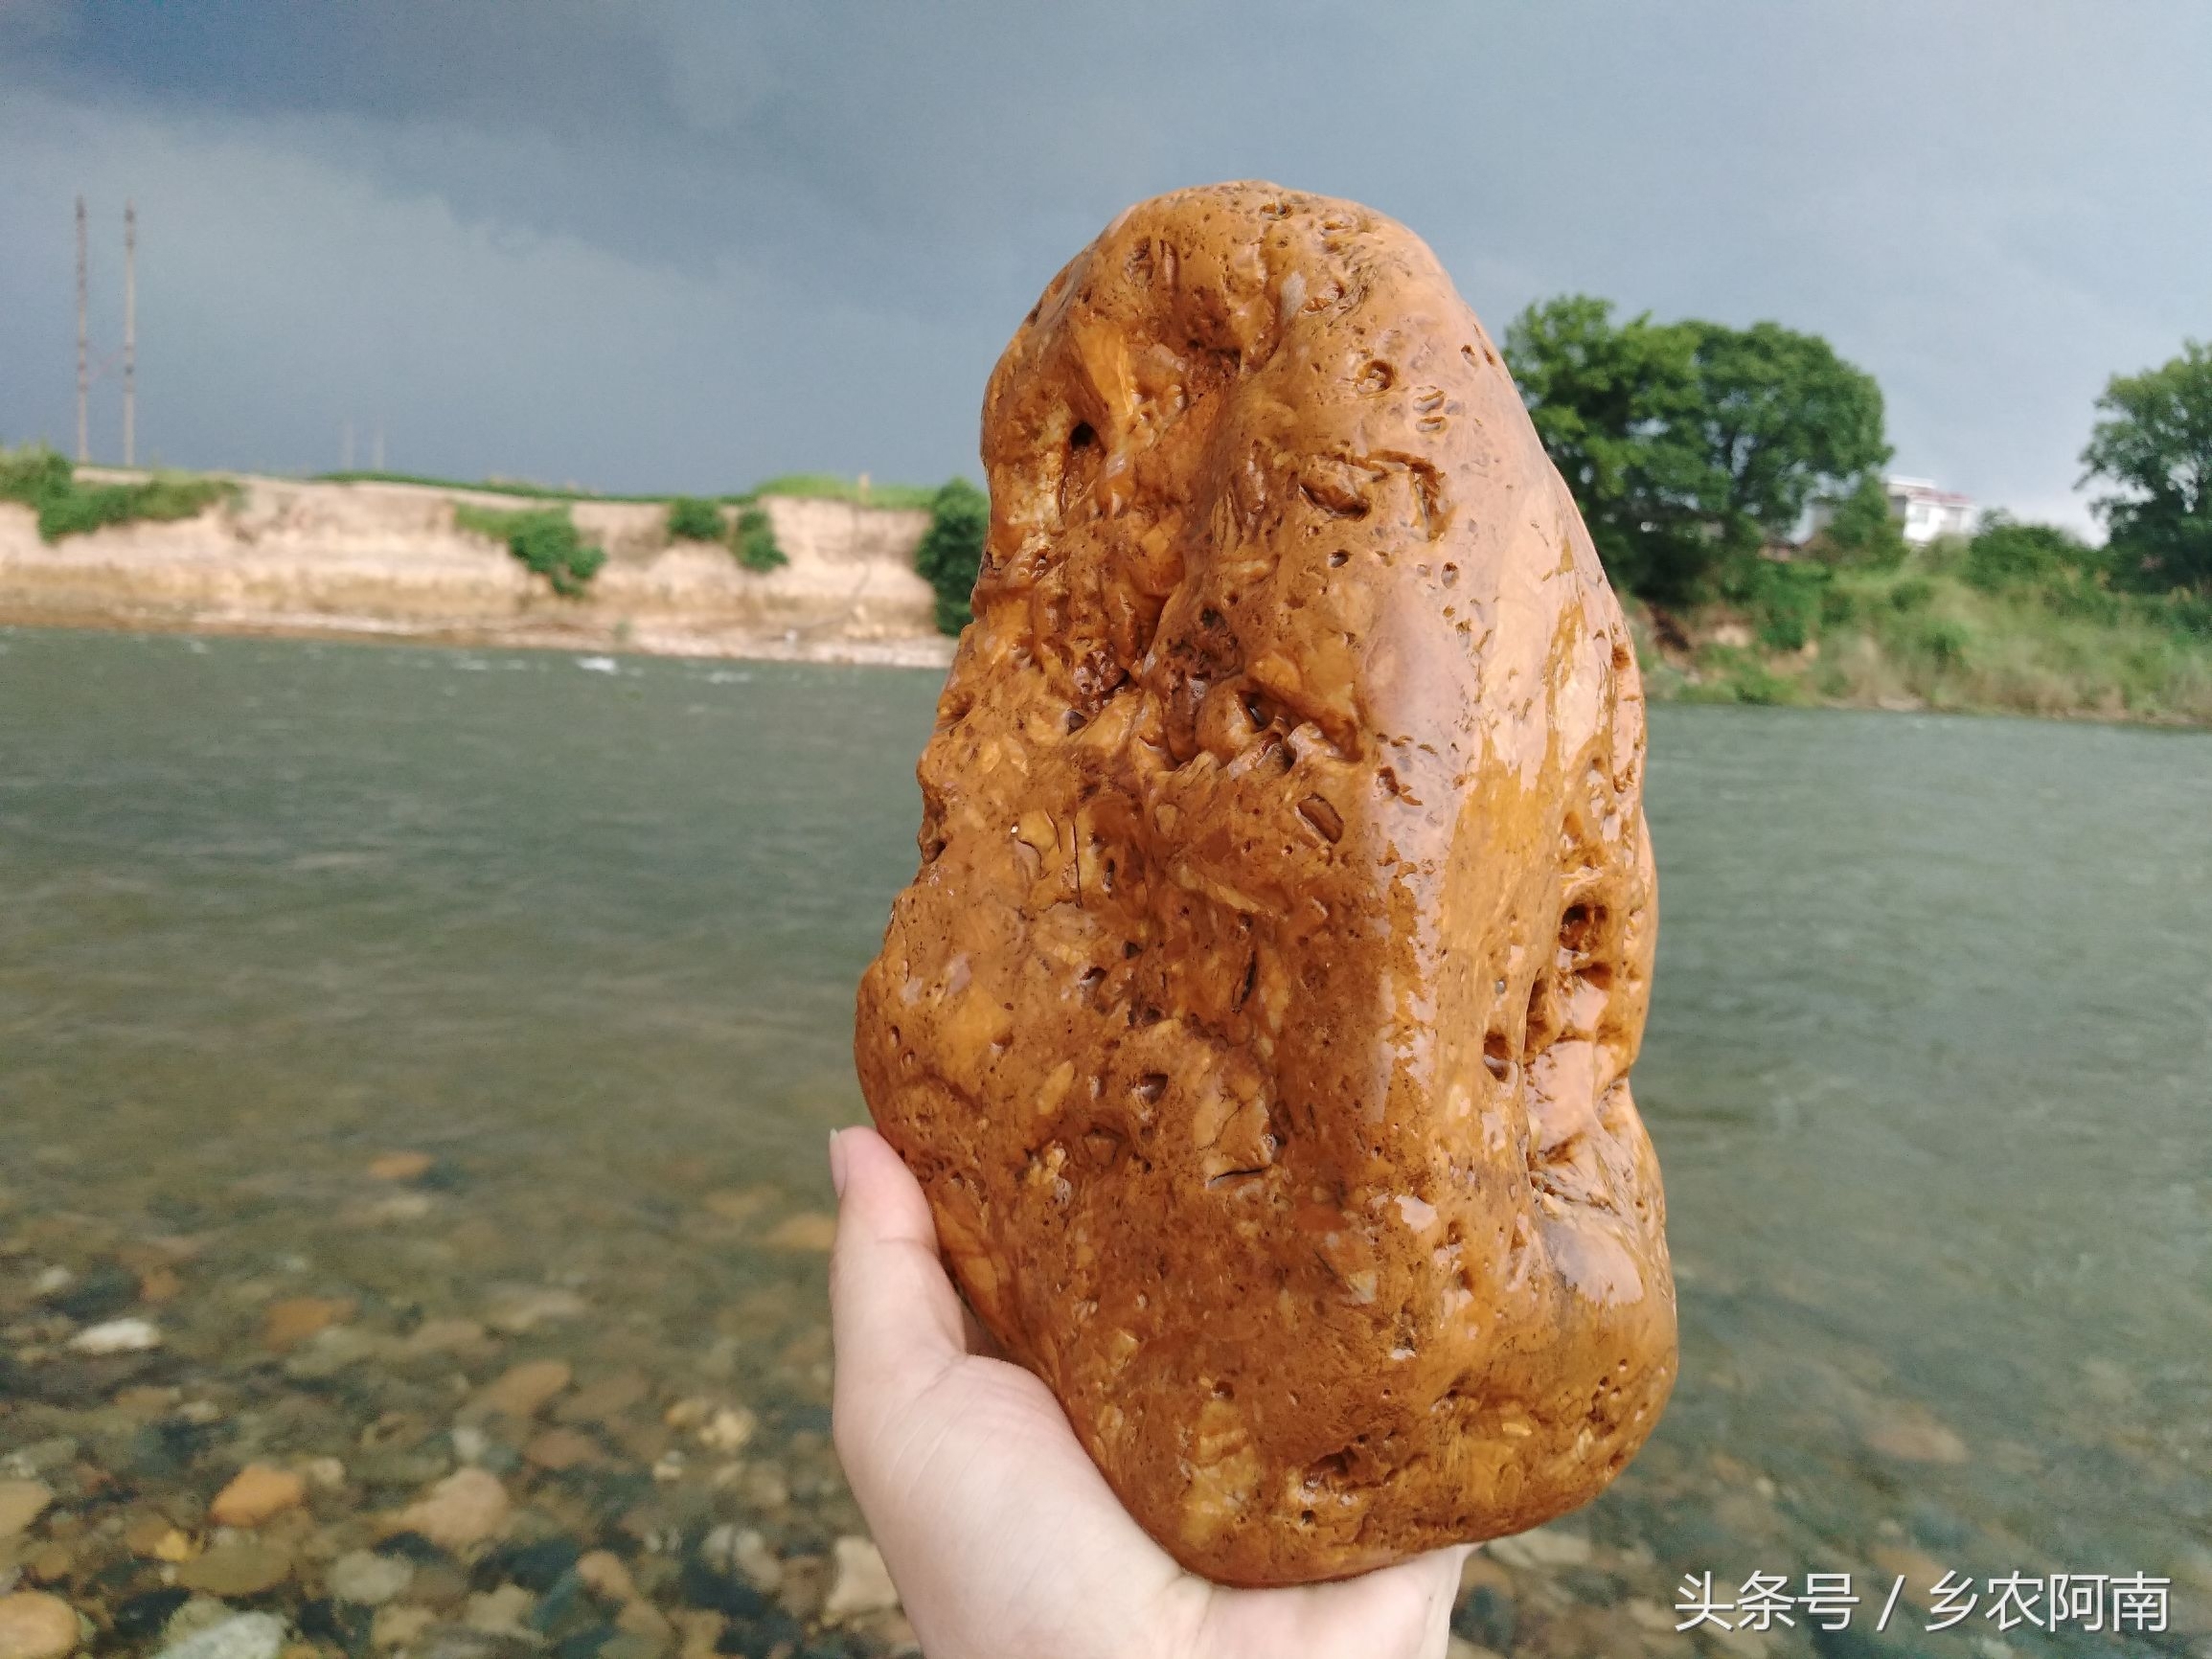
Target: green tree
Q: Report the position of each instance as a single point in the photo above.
(1782, 418)
(1861, 532)
(1688, 444)
(1613, 404)
(951, 550)
(2155, 448)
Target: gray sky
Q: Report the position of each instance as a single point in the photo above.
(655, 245)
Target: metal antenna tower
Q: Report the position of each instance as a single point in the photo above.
(129, 333)
(83, 349)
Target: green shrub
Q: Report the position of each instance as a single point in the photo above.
(30, 475)
(1914, 593)
(951, 550)
(1841, 606)
(757, 548)
(2006, 553)
(1785, 600)
(45, 482)
(1942, 640)
(1732, 674)
(691, 519)
(544, 539)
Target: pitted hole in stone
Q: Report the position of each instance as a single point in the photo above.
(1497, 1054)
(1539, 1030)
(1245, 985)
(1087, 986)
(1581, 928)
(1328, 822)
(1386, 780)
(1072, 720)
(1331, 1472)
(1337, 560)
(1149, 1087)
(1258, 709)
(1451, 576)
(1429, 498)
(1132, 949)
(1082, 436)
(1375, 378)
(1104, 1147)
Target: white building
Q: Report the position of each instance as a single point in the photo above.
(1925, 512)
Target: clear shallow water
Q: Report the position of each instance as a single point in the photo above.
(1927, 1071)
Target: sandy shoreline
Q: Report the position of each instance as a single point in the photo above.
(385, 561)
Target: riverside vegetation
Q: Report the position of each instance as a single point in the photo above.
(38, 478)
(544, 537)
(1694, 450)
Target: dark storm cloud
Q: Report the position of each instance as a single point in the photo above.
(654, 244)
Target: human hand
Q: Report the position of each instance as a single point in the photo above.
(1004, 1539)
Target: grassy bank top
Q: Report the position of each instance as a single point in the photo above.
(793, 486)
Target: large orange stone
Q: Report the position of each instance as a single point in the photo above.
(1260, 1019)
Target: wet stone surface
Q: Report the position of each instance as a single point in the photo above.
(366, 1428)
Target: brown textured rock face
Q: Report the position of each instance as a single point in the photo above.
(1260, 1019)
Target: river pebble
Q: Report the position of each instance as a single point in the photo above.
(466, 1508)
(808, 1230)
(862, 1583)
(247, 1636)
(287, 1322)
(36, 1625)
(21, 1503)
(256, 1495)
(523, 1391)
(366, 1578)
(244, 1567)
(1541, 1548)
(117, 1337)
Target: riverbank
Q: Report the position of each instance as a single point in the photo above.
(1921, 637)
(374, 559)
(370, 558)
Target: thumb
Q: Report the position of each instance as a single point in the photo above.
(894, 1315)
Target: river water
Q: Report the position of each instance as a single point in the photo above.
(576, 939)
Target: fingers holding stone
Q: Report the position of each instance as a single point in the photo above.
(894, 1316)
